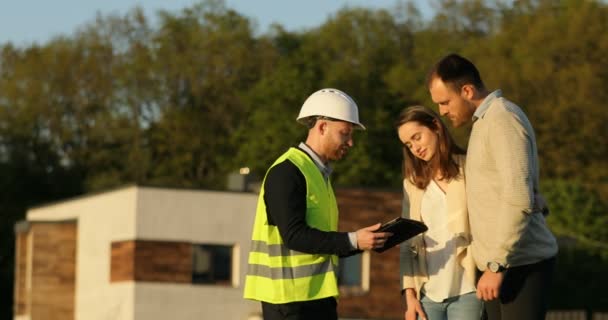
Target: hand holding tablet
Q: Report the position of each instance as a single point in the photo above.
(402, 229)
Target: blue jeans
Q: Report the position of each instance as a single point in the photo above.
(464, 307)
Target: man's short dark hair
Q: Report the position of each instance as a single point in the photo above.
(455, 71)
(311, 121)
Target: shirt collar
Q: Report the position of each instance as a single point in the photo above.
(324, 168)
(485, 104)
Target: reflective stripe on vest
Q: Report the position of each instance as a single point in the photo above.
(277, 274)
(273, 250)
(280, 250)
(290, 272)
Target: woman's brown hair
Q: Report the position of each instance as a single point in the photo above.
(417, 171)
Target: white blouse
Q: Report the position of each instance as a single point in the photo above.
(446, 275)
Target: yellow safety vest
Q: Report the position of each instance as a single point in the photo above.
(277, 274)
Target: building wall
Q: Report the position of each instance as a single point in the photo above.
(112, 225)
(361, 208)
(222, 218)
(21, 292)
(102, 219)
(142, 221)
(53, 271)
(45, 270)
(152, 261)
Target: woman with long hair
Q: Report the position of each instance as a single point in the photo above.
(437, 269)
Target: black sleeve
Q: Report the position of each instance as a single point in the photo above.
(285, 198)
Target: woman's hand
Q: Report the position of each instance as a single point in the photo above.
(412, 306)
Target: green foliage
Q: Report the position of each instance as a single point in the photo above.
(577, 214)
(552, 63)
(578, 218)
(205, 61)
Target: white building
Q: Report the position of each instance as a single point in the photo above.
(136, 253)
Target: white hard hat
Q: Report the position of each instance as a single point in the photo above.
(331, 103)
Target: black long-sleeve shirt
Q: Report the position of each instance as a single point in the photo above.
(285, 199)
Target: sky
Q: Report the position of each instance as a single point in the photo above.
(24, 22)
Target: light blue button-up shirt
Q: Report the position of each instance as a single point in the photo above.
(485, 104)
(324, 168)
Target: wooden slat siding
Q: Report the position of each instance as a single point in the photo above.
(152, 261)
(163, 261)
(360, 208)
(20, 294)
(53, 270)
(122, 261)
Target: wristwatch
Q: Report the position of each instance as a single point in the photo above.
(496, 267)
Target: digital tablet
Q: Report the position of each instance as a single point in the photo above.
(402, 229)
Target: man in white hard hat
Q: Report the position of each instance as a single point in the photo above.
(295, 244)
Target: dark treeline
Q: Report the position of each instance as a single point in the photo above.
(197, 95)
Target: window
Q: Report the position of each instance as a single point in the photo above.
(353, 273)
(349, 273)
(211, 264)
(174, 262)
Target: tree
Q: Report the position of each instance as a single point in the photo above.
(205, 59)
(555, 76)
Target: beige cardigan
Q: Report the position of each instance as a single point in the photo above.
(413, 252)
